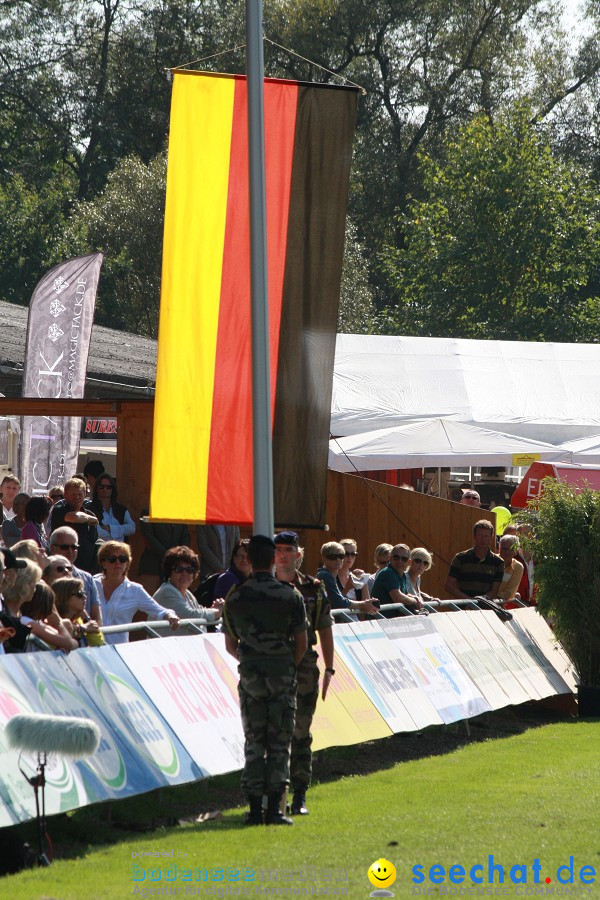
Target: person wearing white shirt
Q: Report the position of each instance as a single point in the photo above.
(8, 491)
(114, 520)
(120, 598)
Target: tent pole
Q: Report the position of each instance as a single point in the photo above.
(261, 387)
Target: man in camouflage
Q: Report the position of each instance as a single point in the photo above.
(265, 629)
(288, 558)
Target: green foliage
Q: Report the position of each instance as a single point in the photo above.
(125, 221)
(30, 221)
(503, 242)
(83, 86)
(357, 313)
(565, 543)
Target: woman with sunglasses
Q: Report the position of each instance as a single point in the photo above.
(114, 520)
(56, 568)
(420, 562)
(391, 584)
(70, 603)
(181, 567)
(354, 583)
(120, 598)
(332, 556)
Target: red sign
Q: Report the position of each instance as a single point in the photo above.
(99, 428)
(531, 486)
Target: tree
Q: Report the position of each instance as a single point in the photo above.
(125, 221)
(428, 66)
(503, 243)
(357, 311)
(30, 221)
(564, 540)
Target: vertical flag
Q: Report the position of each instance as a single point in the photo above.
(203, 408)
(59, 327)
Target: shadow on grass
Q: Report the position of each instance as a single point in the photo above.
(75, 834)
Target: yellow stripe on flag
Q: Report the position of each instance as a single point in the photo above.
(195, 213)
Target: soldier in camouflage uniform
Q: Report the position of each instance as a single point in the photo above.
(265, 629)
(288, 557)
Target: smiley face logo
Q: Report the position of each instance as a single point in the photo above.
(381, 873)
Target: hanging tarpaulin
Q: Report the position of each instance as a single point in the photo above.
(203, 407)
(61, 314)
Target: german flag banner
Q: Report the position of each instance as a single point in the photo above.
(202, 445)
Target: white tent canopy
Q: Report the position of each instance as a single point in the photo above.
(545, 392)
(585, 451)
(436, 442)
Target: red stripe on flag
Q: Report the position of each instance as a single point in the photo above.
(230, 457)
(281, 101)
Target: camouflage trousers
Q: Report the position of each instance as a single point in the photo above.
(268, 708)
(306, 703)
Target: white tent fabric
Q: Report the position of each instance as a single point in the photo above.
(585, 451)
(436, 442)
(547, 392)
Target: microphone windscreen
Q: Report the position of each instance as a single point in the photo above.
(53, 734)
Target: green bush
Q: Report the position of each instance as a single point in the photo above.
(565, 543)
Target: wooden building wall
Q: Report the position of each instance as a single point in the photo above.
(368, 511)
(375, 513)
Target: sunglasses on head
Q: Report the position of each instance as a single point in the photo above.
(336, 556)
(120, 558)
(397, 556)
(63, 568)
(66, 546)
(189, 570)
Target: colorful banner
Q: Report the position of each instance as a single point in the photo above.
(385, 675)
(192, 685)
(534, 634)
(442, 678)
(203, 406)
(168, 709)
(59, 327)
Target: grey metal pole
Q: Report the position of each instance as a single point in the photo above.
(261, 388)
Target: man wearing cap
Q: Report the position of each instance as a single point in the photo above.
(288, 557)
(265, 629)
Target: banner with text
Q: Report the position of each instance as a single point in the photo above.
(168, 709)
(59, 327)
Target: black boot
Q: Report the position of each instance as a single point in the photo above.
(255, 816)
(299, 803)
(274, 815)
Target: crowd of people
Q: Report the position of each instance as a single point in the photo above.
(64, 580)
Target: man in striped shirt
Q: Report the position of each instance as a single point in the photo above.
(476, 572)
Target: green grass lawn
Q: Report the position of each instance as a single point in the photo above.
(534, 795)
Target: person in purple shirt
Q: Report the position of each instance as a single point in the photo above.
(239, 569)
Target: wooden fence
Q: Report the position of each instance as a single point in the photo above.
(374, 513)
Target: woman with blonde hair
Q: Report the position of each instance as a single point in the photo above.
(354, 584)
(420, 562)
(32, 602)
(28, 549)
(120, 598)
(381, 558)
(332, 556)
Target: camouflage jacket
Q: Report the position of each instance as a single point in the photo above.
(264, 614)
(318, 608)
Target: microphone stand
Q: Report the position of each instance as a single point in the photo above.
(38, 783)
